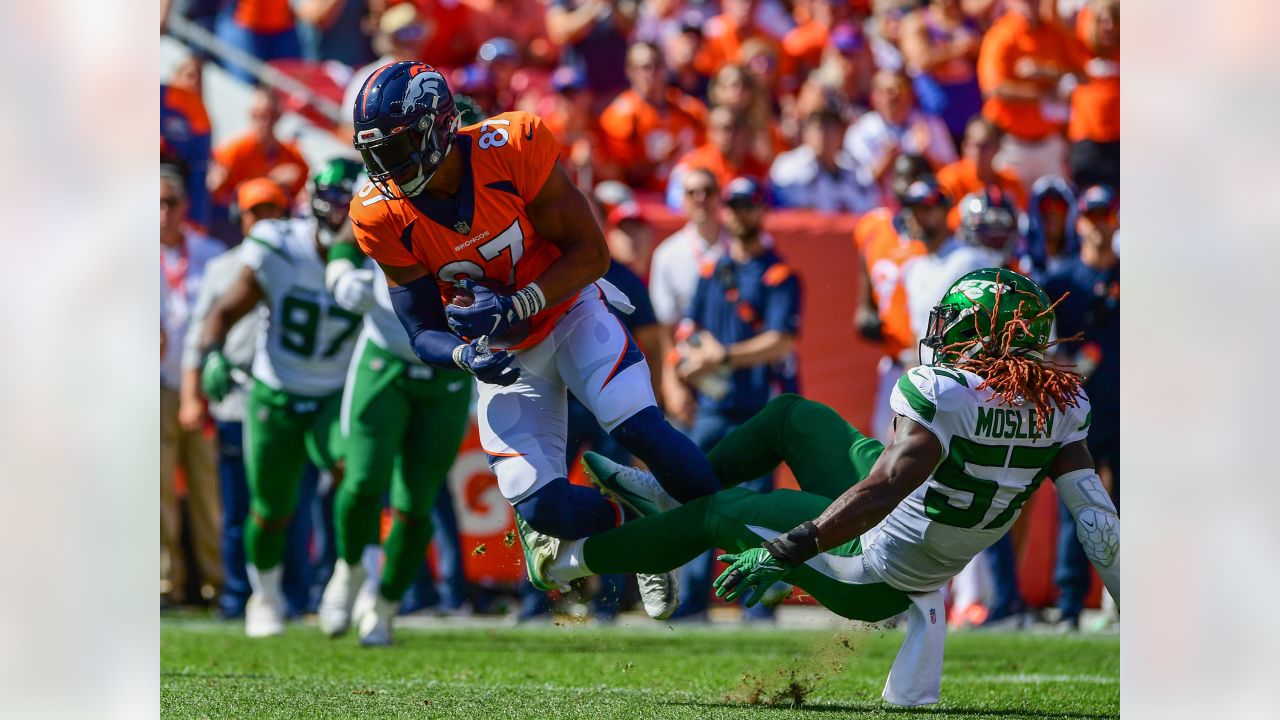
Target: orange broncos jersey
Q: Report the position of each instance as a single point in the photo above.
(886, 250)
(484, 231)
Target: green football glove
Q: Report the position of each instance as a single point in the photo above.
(755, 570)
(215, 376)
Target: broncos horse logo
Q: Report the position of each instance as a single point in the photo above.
(425, 86)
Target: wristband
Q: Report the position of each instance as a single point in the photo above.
(457, 357)
(795, 547)
(529, 301)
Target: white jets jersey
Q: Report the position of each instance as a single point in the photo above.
(994, 458)
(381, 324)
(305, 340)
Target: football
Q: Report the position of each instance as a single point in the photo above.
(462, 297)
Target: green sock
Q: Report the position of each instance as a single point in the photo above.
(356, 520)
(404, 550)
(652, 544)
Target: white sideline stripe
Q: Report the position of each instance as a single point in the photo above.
(1033, 679)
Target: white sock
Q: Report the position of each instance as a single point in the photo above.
(916, 676)
(568, 564)
(267, 583)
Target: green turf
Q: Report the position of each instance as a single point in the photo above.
(209, 669)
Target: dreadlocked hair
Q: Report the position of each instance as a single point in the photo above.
(1014, 374)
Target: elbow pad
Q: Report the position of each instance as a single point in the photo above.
(1097, 522)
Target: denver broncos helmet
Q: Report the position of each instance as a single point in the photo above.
(405, 123)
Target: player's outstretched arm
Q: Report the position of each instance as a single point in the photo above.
(913, 452)
(1097, 521)
(561, 214)
(243, 295)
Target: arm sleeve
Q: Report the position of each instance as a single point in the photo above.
(417, 304)
(1097, 524)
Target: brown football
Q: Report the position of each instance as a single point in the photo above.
(464, 298)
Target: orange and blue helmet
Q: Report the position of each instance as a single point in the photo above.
(405, 123)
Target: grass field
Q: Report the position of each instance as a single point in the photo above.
(209, 669)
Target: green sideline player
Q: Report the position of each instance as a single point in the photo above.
(403, 422)
(299, 367)
(877, 530)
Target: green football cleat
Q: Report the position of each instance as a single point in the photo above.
(631, 487)
(538, 550)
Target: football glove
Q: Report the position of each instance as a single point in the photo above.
(489, 314)
(753, 570)
(215, 376)
(491, 367)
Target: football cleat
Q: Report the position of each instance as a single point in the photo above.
(538, 550)
(375, 623)
(636, 489)
(264, 616)
(660, 594)
(340, 597)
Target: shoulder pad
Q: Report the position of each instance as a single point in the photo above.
(931, 389)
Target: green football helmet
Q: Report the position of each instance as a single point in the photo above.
(331, 190)
(967, 321)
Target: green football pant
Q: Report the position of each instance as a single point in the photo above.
(827, 455)
(281, 431)
(403, 423)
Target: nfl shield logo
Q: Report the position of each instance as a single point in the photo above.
(462, 227)
(933, 616)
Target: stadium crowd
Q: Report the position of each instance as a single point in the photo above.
(957, 131)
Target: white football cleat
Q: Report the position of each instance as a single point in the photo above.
(340, 597)
(375, 623)
(264, 616)
(660, 594)
(638, 490)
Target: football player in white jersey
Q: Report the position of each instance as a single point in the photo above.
(303, 351)
(876, 530)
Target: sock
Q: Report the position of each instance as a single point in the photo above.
(674, 460)
(404, 550)
(355, 522)
(653, 544)
(568, 564)
(267, 583)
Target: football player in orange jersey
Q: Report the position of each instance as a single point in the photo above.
(886, 241)
(455, 212)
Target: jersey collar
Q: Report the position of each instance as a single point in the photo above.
(457, 212)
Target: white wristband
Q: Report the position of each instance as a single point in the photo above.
(529, 301)
(457, 357)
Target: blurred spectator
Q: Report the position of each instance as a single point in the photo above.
(1024, 56)
(976, 169)
(567, 114)
(184, 443)
(1091, 308)
(257, 152)
(885, 33)
(726, 154)
(894, 126)
(760, 59)
(886, 241)
(453, 40)
(1051, 227)
(736, 88)
(803, 47)
(681, 52)
(940, 46)
(1094, 130)
(261, 28)
(334, 30)
(524, 21)
(741, 328)
(842, 80)
(725, 34)
(185, 140)
(630, 238)
(648, 127)
(988, 233)
(401, 34)
(673, 275)
(500, 56)
(906, 170)
(820, 174)
(592, 35)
